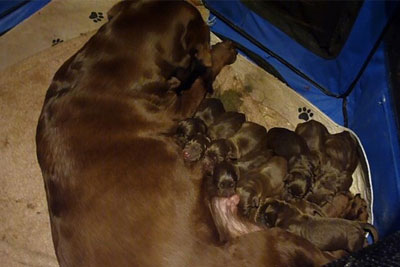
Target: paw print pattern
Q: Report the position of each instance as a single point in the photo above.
(56, 41)
(305, 114)
(96, 16)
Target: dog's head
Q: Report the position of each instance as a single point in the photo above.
(225, 177)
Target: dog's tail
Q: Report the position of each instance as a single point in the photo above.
(371, 229)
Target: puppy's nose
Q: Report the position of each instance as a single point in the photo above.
(186, 154)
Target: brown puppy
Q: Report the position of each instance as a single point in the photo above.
(254, 159)
(187, 129)
(291, 146)
(329, 182)
(226, 125)
(218, 151)
(307, 207)
(195, 148)
(223, 181)
(258, 184)
(341, 151)
(338, 206)
(357, 209)
(314, 133)
(209, 110)
(269, 247)
(328, 234)
(248, 138)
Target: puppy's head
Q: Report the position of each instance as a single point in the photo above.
(322, 192)
(218, 151)
(297, 185)
(188, 128)
(195, 148)
(225, 177)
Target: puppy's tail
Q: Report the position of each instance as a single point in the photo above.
(371, 229)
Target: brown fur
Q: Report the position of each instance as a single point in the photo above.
(223, 181)
(292, 146)
(195, 148)
(357, 209)
(226, 125)
(328, 183)
(248, 138)
(266, 181)
(269, 247)
(254, 159)
(209, 110)
(187, 129)
(341, 151)
(328, 234)
(338, 206)
(218, 151)
(118, 191)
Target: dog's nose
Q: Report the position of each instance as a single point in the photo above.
(186, 154)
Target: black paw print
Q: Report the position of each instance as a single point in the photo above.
(56, 41)
(305, 114)
(96, 16)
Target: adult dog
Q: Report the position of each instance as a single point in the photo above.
(118, 190)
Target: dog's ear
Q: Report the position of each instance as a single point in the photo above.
(197, 41)
(117, 8)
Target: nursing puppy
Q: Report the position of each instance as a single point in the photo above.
(209, 110)
(223, 181)
(328, 234)
(314, 133)
(338, 206)
(219, 150)
(254, 159)
(226, 125)
(195, 148)
(294, 149)
(188, 128)
(357, 209)
(248, 138)
(270, 247)
(256, 185)
(328, 183)
(341, 151)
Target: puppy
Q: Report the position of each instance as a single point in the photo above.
(226, 125)
(341, 151)
(209, 110)
(254, 159)
(218, 151)
(187, 129)
(357, 209)
(299, 179)
(258, 184)
(286, 143)
(223, 181)
(249, 137)
(307, 207)
(195, 148)
(268, 247)
(329, 182)
(294, 149)
(338, 206)
(314, 133)
(329, 234)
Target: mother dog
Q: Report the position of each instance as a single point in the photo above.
(118, 191)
